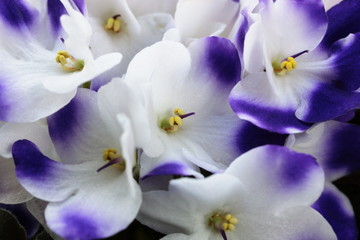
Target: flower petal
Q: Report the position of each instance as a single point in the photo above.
(343, 19)
(283, 179)
(332, 144)
(337, 210)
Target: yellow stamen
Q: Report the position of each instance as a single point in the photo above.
(113, 24)
(225, 222)
(172, 123)
(73, 65)
(285, 66)
(111, 154)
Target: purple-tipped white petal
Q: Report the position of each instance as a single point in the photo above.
(41, 176)
(101, 208)
(255, 100)
(283, 178)
(293, 26)
(337, 210)
(55, 10)
(79, 195)
(333, 144)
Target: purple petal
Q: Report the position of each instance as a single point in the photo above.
(334, 145)
(343, 19)
(251, 136)
(218, 59)
(170, 168)
(80, 4)
(346, 63)
(267, 117)
(337, 210)
(326, 102)
(79, 225)
(17, 13)
(30, 163)
(39, 175)
(55, 10)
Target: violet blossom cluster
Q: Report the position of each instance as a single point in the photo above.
(200, 119)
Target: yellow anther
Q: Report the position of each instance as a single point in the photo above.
(172, 123)
(117, 25)
(225, 226)
(113, 24)
(73, 65)
(179, 111)
(225, 222)
(178, 120)
(233, 220)
(231, 227)
(110, 154)
(109, 23)
(285, 66)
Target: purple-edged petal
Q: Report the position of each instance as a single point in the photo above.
(101, 208)
(38, 174)
(294, 26)
(218, 59)
(253, 99)
(250, 136)
(325, 102)
(337, 210)
(346, 62)
(171, 168)
(343, 19)
(17, 13)
(284, 178)
(333, 144)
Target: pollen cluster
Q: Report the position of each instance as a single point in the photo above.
(172, 123)
(73, 65)
(223, 222)
(113, 24)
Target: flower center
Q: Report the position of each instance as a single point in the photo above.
(171, 124)
(113, 159)
(113, 24)
(69, 63)
(286, 65)
(222, 222)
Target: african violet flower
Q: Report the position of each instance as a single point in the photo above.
(176, 98)
(119, 27)
(297, 73)
(266, 193)
(91, 192)
(37, 81)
